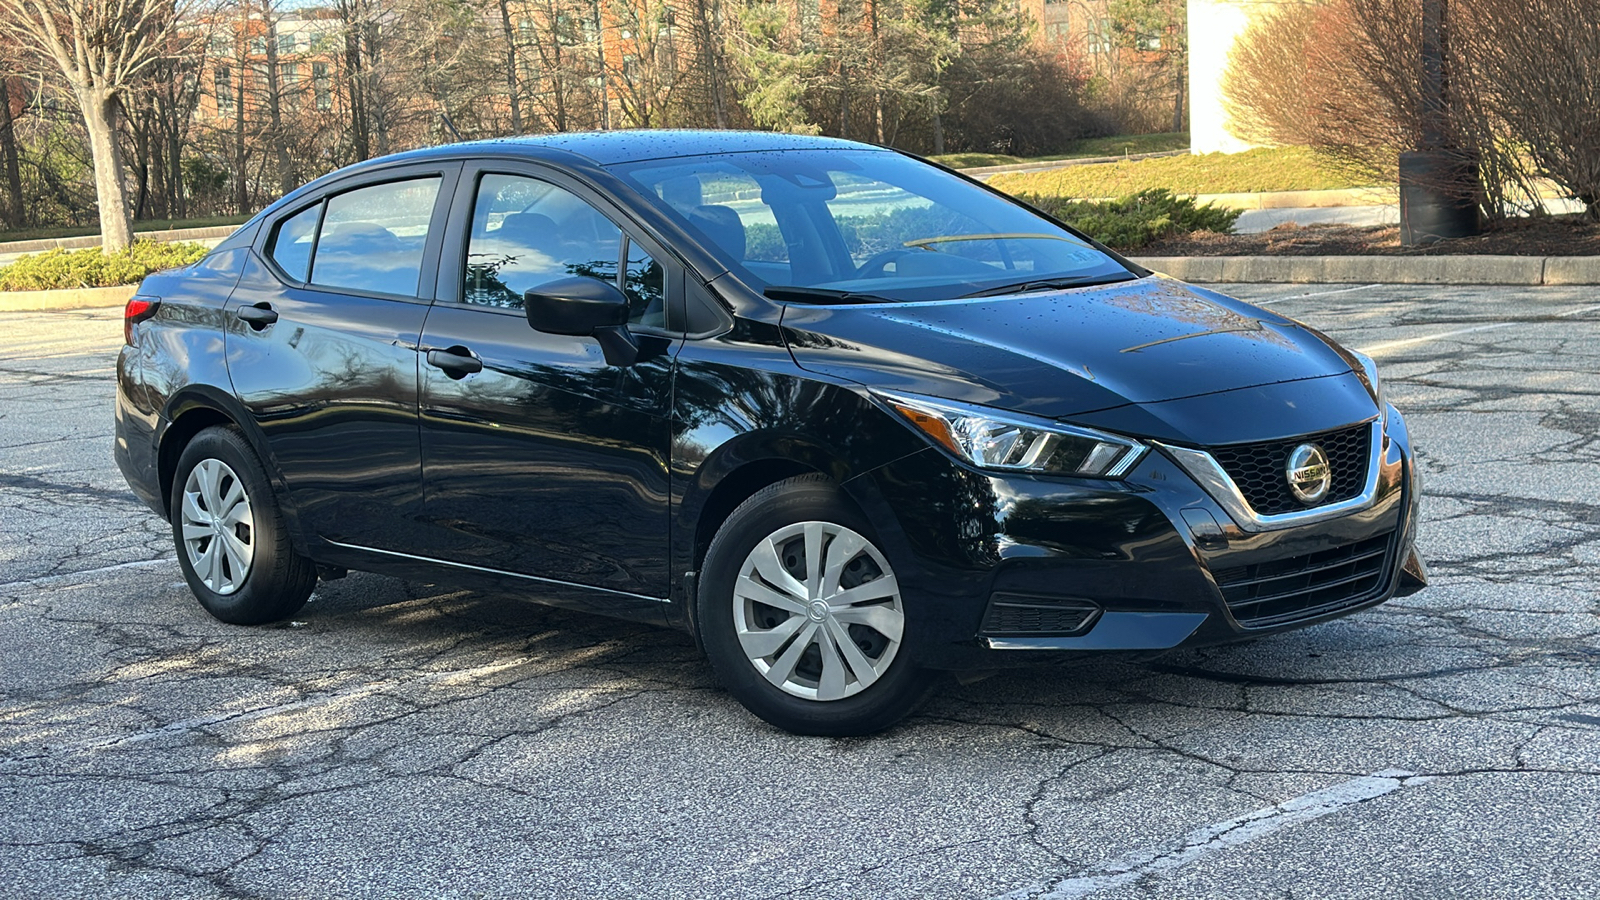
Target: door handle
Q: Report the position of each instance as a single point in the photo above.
(457, 362)
(258, 316)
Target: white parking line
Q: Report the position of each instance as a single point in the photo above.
(67, 576)
(1140, 864)
(1386, 346)
(1350, 290)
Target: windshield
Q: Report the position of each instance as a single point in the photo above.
(863, 224)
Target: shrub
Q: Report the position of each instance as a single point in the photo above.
(1342, 77)
(56, 269)
(1137, 220)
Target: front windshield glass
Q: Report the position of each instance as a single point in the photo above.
(863, 222)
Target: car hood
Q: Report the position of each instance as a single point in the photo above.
(1062, 353)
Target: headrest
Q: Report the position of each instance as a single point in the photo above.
(723, 226)
(529, 229)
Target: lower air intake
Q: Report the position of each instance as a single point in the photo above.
(1015, 615)
(1304, 587)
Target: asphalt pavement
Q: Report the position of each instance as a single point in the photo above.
(403, 739)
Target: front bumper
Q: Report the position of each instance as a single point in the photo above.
(1147, 564)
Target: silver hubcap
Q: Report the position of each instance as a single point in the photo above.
(219, 529)
(817, 611)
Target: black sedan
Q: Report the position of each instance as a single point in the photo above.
(847, 417)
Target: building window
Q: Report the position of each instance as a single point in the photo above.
(1099, 37)
(224, 82)
(285, 44)
(320, 85)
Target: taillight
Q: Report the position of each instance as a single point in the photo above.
(138, 309)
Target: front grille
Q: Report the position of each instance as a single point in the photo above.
(1303, 587)
(1261, 470)
(1012, 615)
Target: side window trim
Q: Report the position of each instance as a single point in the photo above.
(449, 174)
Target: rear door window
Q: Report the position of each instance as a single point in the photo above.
(372, 238)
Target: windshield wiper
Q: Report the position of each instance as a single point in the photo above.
(1045, 284)
(822, 295)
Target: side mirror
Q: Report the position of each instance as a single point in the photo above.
(584, 307)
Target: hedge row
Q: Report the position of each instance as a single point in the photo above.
(56, 269)
(1137, 220)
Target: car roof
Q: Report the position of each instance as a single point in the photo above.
(609, 147)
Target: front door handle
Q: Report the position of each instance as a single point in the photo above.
(457, 362)
(258, 316)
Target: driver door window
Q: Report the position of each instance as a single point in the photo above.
(527, 233)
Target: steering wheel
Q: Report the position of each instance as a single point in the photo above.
(875, 265)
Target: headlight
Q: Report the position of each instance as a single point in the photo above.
(1369, 375)
(992, 439)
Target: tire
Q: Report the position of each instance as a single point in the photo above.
(773, 638)
(229, 533)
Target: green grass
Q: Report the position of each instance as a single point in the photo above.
(56, 269)
(1279, 169)
(34, 234)
(1089, 148)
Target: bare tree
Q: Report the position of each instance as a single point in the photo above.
(101, 48)
(14, 211)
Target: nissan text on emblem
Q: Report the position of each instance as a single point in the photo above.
(1310, 476)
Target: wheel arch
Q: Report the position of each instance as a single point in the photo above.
(737, 471)
(197, 408)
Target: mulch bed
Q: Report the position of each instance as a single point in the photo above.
(1544, 236)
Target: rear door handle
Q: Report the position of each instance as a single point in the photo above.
(258, 316)
(457, 362)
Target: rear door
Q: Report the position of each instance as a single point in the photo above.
(548, 462)
(322, 340)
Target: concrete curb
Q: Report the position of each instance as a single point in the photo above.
(84, 241)
(80, 298)
(1506, 270)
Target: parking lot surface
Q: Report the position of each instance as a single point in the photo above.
(403, 739)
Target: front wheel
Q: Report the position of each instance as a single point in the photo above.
(232, 544)
(802, 617)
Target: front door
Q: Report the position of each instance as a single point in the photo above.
(547, 462)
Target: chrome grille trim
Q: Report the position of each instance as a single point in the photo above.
(1215, 480)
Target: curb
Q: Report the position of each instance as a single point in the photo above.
(85, 241)
(1527, 271)
(79, 298)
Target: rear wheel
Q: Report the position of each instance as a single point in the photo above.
(802, 617)
(232, 544)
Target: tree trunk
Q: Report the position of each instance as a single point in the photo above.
(938, 126)
(15, 209)
(141, 165)
(280, 147)
(1177, 105)
(512, 88)
(100, 110)
(600, 55)
(706, 34)
(358, 106)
